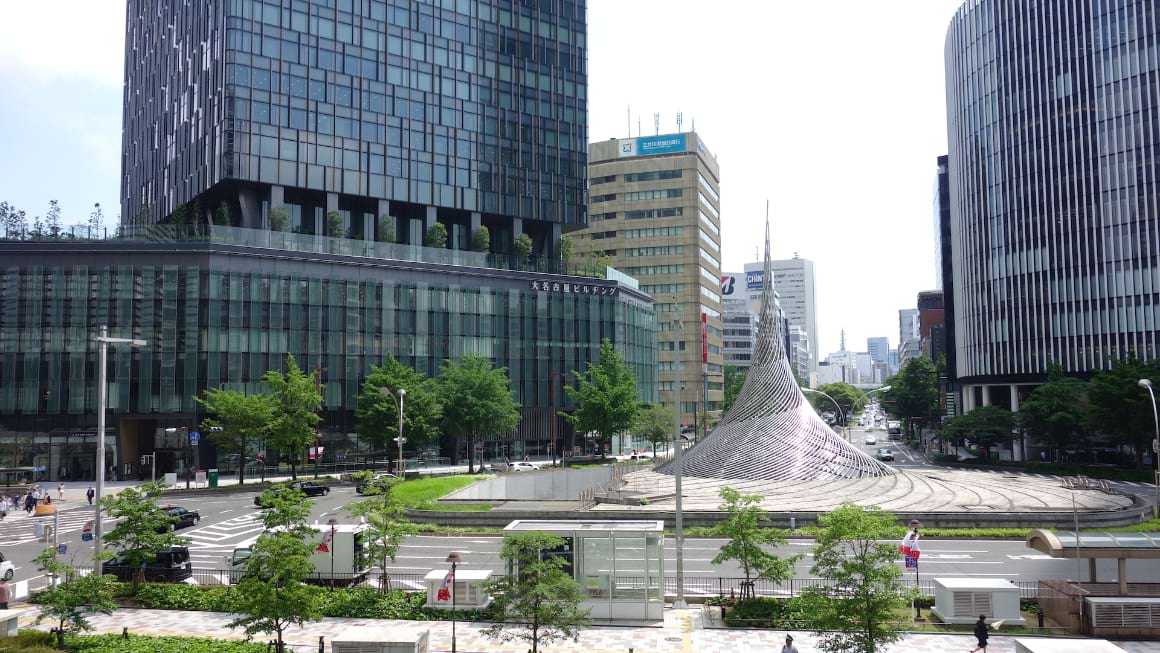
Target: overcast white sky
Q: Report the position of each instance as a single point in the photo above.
(834, 111)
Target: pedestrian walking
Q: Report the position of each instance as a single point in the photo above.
(30, 502)
(5, 594)
(981, 634)
(3, 506)
(60, 491)
(90, 493)
(789, 647)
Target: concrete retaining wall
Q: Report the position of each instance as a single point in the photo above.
(543, 485)
(1058, 520)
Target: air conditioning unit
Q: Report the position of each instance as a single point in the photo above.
(962, 600)
(369, 639)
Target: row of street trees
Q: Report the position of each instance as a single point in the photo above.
(15, 224)
(1064, 413)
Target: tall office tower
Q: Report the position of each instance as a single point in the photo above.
(655, 210)
(879, 349)
(909, 345)
(320, 173)
(739, 321)
(1054, 154)
(793, 279)
(945, 271)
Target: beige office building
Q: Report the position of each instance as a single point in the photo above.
(654, 207)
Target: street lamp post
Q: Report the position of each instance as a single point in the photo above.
(841, 413)
(400, 396)
(333, 523)
(453, 558)
(1147, 385)
(103, 342)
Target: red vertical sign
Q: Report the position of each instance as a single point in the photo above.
(704, 338)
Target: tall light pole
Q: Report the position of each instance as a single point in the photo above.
(103, 342)
(402, 393)
(841, 413)
(679, 516)
(1147, 385)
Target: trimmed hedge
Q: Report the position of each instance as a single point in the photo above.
(35, 641)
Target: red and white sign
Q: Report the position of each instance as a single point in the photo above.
(910, 547)
(327, 540)
(443, 595)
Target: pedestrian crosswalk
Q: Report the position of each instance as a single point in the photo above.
(209, 545)
(20, 528)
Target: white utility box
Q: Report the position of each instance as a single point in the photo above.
(370, 639)
(962, 600)
(1053, 645)
(469, 594)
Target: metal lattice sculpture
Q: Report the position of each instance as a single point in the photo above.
(772, 432)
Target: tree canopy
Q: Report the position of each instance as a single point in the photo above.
(1120, 408)
(237, 422)
(1056, 412)
(296, 400)
(141, 529)
(843, 393)
(655, 424)
(605, 396)
(734, 380)
(749, 540)
(985, 426)
(377, 414)
(477, 399)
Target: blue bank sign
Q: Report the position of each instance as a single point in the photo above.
(649, 145)
(753, 280)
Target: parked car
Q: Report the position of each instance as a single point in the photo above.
(871, 438)
(885, 454)
(377, 478)
(170, 566)
(181, 517)
(521, 466)
(7, 569)
(309, 488)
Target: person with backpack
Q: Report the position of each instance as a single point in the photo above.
(981, 634)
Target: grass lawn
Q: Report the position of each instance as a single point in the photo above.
(934, 626)
(421, 493)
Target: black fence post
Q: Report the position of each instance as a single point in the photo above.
(321, 644)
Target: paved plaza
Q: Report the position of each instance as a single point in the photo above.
(682, 632)
(914, 490)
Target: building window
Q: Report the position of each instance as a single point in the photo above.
(653, 232)
(596, 181)
(654, 176)
(653, 213)
(707, 187)
(604, 198)
(637, 196)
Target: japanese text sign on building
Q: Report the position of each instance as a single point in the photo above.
(574, 288)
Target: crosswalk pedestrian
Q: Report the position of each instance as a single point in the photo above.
(22, 529)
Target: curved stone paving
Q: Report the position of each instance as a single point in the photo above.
(909, 491)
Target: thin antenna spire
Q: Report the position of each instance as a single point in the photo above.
(629, 120)
(680, 119)
(657, 123)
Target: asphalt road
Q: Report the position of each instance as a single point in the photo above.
(230, 520)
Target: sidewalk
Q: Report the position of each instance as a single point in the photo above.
(681, 633)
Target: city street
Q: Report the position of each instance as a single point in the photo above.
(229, 520)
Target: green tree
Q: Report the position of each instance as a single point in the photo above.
(53, 222)
(73, 597)
(748, 540)
(1122, 409)
(437, 236)
(567, 250)
(279, 219)
(605, 397)
(221, 217)
(377, 414)
(481, 241)
(272, 594)
(913, 395)
(856, 613)
(477, 399)
(986, 426)
(655, 424)
(141, 529)
(243, 421)
(387, 527)
(296, 400)
(843, 393)
(386, 229)
(96, 224)
(522, 246)
(285, 509)
(539, 602)
(335, 227)
(1056, 412)
(734, 380)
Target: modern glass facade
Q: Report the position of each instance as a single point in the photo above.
(1053, 113)
(463, 111)
(219, 314)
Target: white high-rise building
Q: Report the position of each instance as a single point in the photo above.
(879, 349)
(793, 279)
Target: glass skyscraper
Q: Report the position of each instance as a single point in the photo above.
(283, 166)
(1053, 113)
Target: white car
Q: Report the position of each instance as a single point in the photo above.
(7, 569)
(871, 439)
(521, 466)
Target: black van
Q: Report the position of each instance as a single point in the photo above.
(170, 566)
